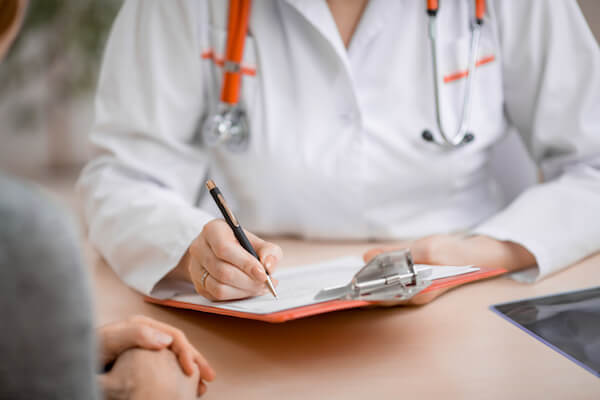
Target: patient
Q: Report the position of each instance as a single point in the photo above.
(47, 344)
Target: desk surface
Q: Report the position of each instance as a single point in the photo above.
(454, 347)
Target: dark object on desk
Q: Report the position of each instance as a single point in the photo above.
(568, 322)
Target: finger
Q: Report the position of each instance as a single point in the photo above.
(370, 254)
(185, 356)
(220, 291)
(200, 253)
(264, 248)
(270, 263)
(201, 388)
(206, 371)
(269, 253)
(425, 251)
(116, 338)
(185, 351)
(226, 248)
(195, 377)
(232, 276)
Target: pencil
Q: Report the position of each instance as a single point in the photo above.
(237, 229)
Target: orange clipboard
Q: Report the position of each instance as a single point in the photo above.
(389, 277)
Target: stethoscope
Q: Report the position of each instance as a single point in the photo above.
(228, 126)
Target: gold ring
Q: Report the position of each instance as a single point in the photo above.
(203, 279)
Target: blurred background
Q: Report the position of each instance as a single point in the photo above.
(47, 86)
(47, 83)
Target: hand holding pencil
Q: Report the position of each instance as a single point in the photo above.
(222, 269)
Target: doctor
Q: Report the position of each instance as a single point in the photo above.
(343, 138)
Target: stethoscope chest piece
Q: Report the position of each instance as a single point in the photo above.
(229, 127)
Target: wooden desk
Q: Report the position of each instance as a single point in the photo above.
(453, 348)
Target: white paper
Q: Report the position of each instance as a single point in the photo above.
(298, 286)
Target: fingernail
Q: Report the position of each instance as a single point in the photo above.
(258, 274)
(163, 338)
(269, 261)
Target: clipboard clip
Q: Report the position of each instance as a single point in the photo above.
(388, 276)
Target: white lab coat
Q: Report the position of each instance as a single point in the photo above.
(336, 148)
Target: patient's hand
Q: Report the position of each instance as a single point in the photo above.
(148, 375)
(146, 333)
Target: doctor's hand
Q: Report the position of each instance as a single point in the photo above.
(458, 249)
(221, 269)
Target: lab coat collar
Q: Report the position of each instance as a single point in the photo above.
(318, 15)
(375, 16)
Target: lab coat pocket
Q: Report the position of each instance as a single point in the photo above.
(452, 80)
(213, 55)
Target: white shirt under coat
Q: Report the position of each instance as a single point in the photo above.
(336, 148)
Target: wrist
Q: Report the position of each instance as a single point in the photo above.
(508, 255)
(182, 269)
(519, 256)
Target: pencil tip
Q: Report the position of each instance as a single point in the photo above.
(272, 288)
(210, 184)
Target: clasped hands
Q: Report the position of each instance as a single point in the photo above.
(147, 359)
(221, 269)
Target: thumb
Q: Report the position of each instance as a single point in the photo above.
(370, 254)
(122, 336)
(269, 253)
(147, 337)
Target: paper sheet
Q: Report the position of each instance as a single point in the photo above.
(298, 286)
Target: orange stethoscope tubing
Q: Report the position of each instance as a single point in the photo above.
(237, 27)
(433, 6)
(230, 124)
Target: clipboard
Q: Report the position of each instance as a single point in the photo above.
(389, 278)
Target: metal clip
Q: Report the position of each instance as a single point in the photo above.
(388, 276)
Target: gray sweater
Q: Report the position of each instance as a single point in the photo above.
(47, 342)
